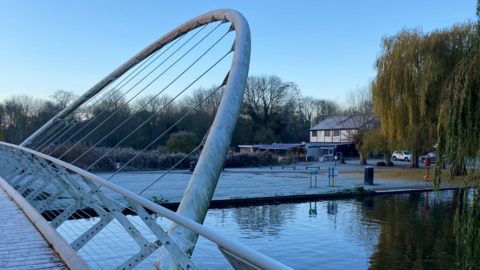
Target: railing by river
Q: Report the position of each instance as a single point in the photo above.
(45, 182)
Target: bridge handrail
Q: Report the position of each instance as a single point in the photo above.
(233, 247)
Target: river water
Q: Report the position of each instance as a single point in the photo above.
(402, 231)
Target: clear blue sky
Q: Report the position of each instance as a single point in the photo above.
(326, 47)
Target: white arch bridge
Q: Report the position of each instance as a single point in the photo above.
(48, 182)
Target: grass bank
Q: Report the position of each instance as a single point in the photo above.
(392, 173)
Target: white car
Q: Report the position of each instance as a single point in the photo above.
(432, 156)
(402, 155)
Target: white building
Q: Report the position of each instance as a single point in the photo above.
(336, 135)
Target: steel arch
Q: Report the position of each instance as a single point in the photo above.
(202, 185)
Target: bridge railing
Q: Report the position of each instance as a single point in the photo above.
(110, 233)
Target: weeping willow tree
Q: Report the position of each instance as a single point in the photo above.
(409, 87)
(459, 142)
(375, 141)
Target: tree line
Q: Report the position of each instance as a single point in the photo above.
(270, 113)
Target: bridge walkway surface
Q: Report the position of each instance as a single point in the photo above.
(22, 246)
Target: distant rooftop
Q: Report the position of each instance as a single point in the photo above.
(344, 122)
(281, 146)
(275, 146)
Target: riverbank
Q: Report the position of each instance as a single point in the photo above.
(270, 184)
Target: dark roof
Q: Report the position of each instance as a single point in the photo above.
(281, 146)
(327, 144)
(344, 122)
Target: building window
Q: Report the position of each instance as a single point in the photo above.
(336, 133)
(327, 133)
(314, 133)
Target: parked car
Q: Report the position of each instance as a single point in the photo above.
(402, 155)
(432, 156)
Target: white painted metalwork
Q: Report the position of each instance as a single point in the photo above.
(35, 174)
(18, 164)
(200, 190)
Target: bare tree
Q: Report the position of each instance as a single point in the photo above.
(316, 110)
(264, 98)
(22, 115)
(267, 105)
(62, 98)
(2, 137)
(359, 101)
(358, 117)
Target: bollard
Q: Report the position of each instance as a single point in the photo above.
(311, 181)
(259, 166)
(313, 173)
(332, 175)
(271, 167)
(192, 166)
(294, 167)
(368, 180)
(283, 167)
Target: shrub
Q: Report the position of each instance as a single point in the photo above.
(155, 159)
(181, 142)
(250, 159)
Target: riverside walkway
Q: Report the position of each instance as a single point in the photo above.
(21, 244)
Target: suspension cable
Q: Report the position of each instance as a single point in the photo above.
(121, 107)
(155, 113)
(112, 91)
(142, 91)
(44, 140)
(98, 115)
(44, 135)
(202, 143)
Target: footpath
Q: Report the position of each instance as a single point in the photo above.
(21, 244)
(273, 183)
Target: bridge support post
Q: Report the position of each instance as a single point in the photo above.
(200, 190)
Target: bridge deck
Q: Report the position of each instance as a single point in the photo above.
(21, 245)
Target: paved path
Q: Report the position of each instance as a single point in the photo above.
(21, 245)
(246, 183)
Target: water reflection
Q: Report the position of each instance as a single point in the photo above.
(312, 212)
(332, 208)
(266, 219)
(416, 232)
(404, 231)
